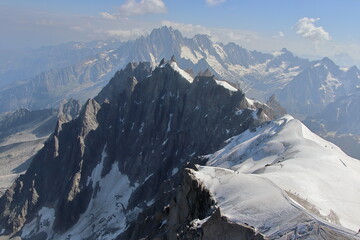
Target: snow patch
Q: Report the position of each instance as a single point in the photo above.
(169, 123)
(277, 53)
(174, 171)
(148, 177)
(107, 211)
(197, 223)
(220, 51)
(43, 222)
(215, 64)
(150, 203)
(252, 103)
(152, 58)
(165, 141)
(181, 72)
(141, 127)
(294, 68)
(186, 53)
(226, 85)
(254, 114)
(89, 62)
(239, 112)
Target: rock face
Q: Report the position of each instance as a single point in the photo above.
(23, 133)
(111, 172)
(276, 106)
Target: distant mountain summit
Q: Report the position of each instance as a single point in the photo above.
(321, 83)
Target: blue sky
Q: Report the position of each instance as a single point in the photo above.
(307, 27)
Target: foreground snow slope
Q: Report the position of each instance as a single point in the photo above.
(280, 166)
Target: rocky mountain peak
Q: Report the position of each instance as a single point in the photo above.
(203, 41)
(286, 53)
(353, 72)
(273, 102)
(165, 36)
(124, 80)
(206, 73)
(329, 63)
(69, 109)
(87, 116)
(120, 162)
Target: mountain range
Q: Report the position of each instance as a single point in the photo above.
(304, 87)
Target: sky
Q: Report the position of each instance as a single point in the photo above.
(308, 28)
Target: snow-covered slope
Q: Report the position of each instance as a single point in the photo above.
(262, 177)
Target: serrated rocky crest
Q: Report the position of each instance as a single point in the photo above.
(113, 171)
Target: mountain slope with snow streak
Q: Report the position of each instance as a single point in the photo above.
(318, 85)
(301, 168)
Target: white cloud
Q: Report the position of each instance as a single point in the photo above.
(242, 37)
(134, 7)
(127, 34)
(238, 36)
(214, 2)
(306, 28)
(107, 15)
(279, 35)
(77, 28)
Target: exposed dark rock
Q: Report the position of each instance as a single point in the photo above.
(152, 126)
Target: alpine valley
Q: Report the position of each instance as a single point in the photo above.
(174, 145)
